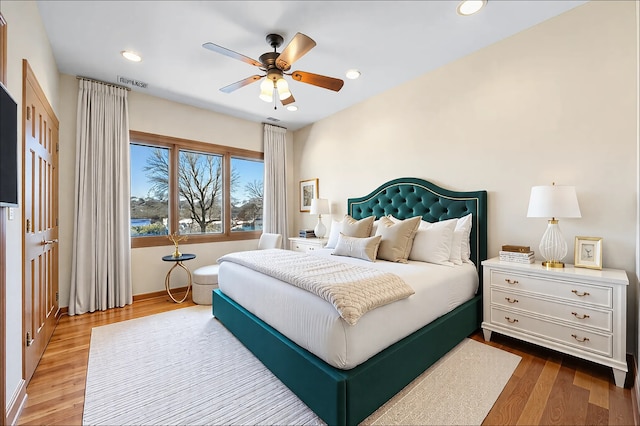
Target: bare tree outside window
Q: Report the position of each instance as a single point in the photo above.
(200, 187)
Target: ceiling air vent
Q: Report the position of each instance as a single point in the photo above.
(132, 82)
(275, 120)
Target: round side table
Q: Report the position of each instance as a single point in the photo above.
(178, 262)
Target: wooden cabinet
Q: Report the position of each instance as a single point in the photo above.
(306, 244)
(581, 312)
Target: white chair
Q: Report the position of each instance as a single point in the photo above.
(205, 278)
(269, 241)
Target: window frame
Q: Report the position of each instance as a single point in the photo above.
(174, 145)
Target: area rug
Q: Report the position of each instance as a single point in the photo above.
(183, 367)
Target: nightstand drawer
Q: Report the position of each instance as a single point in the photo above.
(303, 247)
(576, 314)
(571, 336)
(574, 292)
(306, 244)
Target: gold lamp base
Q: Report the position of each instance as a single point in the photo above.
(553, 264)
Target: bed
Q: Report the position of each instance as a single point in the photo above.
(347, 391)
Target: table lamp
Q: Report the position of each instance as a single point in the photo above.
(319, 206)
(554, 201)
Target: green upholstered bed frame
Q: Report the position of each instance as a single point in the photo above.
(349, 396)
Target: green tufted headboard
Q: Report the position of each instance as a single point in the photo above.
(409, 197)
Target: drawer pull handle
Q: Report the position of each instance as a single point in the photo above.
(586, 293)
(584, 339)
(510, 281)
(575, 314)
(511, 320)
(510, 300)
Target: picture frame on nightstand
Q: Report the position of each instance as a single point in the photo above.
(588, 252)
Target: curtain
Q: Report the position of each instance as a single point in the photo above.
(275, 216)
(101, 255)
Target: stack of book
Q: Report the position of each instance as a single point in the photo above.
(307, 233)
(518, 254)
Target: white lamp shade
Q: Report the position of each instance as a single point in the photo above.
(319, 206)
(553, 201)
(283, 89)
(266, 90)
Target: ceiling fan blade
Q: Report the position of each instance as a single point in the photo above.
(288, 100)
(323, 81)
(238, 84)
(231, 54)
(296, 49)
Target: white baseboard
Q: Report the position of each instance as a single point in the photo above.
(17, 403)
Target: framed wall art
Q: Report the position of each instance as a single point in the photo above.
(308, 191)
(588, 252)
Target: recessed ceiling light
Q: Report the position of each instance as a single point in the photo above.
(352, 74)
(292, 108)
(469, 7)
(134, 57)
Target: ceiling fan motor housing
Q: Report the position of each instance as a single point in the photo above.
(274, 40)
(268, 60)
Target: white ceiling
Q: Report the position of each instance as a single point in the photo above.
(390, 42)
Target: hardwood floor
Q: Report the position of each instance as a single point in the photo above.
(550, 388)
(546, 388)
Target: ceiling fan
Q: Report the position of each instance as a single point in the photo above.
(276, 65)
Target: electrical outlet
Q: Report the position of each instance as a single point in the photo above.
(10, 213)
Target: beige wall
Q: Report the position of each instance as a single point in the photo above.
(555, 103)
(26, 39)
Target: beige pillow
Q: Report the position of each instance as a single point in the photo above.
(397, 238)
(360, 248)
(357, 228)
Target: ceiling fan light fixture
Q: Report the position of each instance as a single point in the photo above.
(283, 88)
(132, 56)
(266, 90)
(469, 7)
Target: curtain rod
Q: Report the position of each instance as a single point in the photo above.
(79, 77)
(275, 125)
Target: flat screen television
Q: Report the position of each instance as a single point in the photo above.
(8, 149)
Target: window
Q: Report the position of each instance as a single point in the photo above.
(149, 204)
(208, 192)
(247, 185)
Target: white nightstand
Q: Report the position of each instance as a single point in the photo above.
(577, 311)
(306, 244)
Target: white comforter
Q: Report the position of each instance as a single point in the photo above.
(352, 289)
(315, 325)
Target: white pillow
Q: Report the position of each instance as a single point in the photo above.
(460, 247)
(334, 233)
(432, 242)
(360, 248)
(397, 238)
(374, 227)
